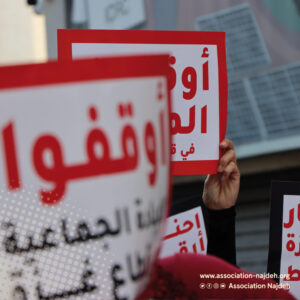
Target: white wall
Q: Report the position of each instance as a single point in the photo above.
(22, 33)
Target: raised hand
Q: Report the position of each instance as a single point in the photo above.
(221, 190)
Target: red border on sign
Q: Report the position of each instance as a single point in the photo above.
(82, 70)
(66, 37)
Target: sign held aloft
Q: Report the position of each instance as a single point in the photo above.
(284, 246)
(198, 80)
(85, 176)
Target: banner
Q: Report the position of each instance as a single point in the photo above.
(284, 247)
(198, 81)
(85, 177)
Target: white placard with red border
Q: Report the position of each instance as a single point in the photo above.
(185, 233)
(85, 176)
(198, 80)
(284, 245)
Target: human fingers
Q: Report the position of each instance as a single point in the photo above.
(226, 144)
(227, 157)
(230, 171)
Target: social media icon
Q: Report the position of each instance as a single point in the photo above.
(216, 286)
(202, 286)
(223, 286)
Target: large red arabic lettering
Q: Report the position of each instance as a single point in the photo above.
(55, 173)
(189, 81)
(150, 144)
(10, 152)
(96, 163)
(189, 77)
(205, 75)
(162, 134)
(291, 219)
(204, 119)
(172, 72)
(293, 274)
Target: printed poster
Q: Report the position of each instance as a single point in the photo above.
(85, 177)
(198, 81)
(284, 247)
(185, 233)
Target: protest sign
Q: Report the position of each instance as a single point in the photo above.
(198, 81)
(85, 176)
(284, 247)
(185, 233)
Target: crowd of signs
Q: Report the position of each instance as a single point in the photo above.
(86, 164)
(88, 157)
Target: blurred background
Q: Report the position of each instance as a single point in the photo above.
(263, 62)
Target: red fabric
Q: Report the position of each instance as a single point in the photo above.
(178, 277)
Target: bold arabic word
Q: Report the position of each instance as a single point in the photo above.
(137, 266)
(293, 275)
(59, 173)
(184, 248)
(290, 245)
(176, 126)
(187, 153)
(185, 228)
(290, 223)
(98, 150)
(189, 77)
